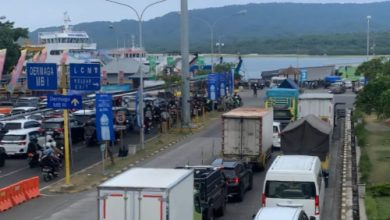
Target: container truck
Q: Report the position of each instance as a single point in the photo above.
(284, 104)
(308, 136)
(147, 194)
(247, 135)
(318, 104)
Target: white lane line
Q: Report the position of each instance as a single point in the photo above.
(13, 172)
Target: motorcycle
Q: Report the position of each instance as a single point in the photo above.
(33, 159)
(48, 173)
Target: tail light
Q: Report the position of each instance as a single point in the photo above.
(59, 130)
(317, 205)
(234, 180)
(263, 199)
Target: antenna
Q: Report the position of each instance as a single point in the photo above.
(66, 22)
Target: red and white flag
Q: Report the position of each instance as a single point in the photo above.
(3, 52)
(17, 71)
(43, 56)
(35, 58)
(64, 57)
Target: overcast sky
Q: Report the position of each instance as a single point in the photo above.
(34, 14)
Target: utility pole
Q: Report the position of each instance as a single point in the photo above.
(368, 36)
(185, 112)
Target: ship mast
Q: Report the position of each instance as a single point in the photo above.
(67, 21)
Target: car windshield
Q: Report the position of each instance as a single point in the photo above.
(229, 173)
(13, 126)
(52, 125)
(14, 137)
(23, 104)
(17, 111)
(290, 190)
(282, 113)
(83, 118)
(36, 117)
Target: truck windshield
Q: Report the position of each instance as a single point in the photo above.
(290, 190)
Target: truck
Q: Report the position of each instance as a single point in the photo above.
(210, 195)
(247, 135)
(308, 136)
(318, 104)
(147, 194)
(284, 104)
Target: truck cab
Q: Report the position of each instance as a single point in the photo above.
(210, 191)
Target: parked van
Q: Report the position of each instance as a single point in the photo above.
(295, 181)
(281, 213)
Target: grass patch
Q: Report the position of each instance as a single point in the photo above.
(377, 208)
(364, 166)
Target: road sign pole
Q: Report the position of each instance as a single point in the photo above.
(66, 126)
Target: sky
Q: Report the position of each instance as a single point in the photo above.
(35, 14)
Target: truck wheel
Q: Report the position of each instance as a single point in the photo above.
(240, 195)
(250, 186)
(221, 209)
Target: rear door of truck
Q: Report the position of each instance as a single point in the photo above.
(232, 131)
(251, 131)
(115, 204)
(131, 205)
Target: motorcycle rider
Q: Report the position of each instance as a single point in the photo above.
(34, 151)
(49, 160)
(237, 100)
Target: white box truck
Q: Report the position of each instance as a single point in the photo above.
(247, 135)
(147, 194)
(318, 104)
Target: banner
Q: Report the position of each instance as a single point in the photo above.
(43, 56)
(104, 117)
(3, 52)
(121, 77)
(104, 77)
(222, 84)
(35, 58)
(213, 86)
(17, 71)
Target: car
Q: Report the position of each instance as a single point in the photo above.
(348, 84)
(276, 135)
(20, 110)
(15, 142)
(282, 213)
(84, 116)
(239, 177)
(6, 107)
(210, 190)
(336, 89)
(21, 124)
(36, 117)
(27, 102)
(3, 155)
(55, 128)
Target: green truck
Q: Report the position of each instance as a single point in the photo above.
(284, 103)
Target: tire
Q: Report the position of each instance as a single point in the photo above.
(46, 177)
(221, 210)
(240, 196)
(250, 186)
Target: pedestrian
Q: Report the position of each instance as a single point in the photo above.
(254, 89)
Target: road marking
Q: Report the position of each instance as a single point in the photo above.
(13, 172)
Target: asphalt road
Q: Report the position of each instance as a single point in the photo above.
(200, 148)
(17, 168)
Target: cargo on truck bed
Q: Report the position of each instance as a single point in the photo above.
(247, 135)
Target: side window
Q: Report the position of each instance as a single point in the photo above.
(35, 124)
(28, 125)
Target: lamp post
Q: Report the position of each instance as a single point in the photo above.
(368, 36)
(211, 26)
(141, 78)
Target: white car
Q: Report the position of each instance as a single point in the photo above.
(348, 84)
(21, 124)
(281, 213)
(15, 142)
(20, 110)
(276, 135)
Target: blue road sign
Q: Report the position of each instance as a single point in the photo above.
(213, 87)
(85, 76)
(303, 75)
(41, 76)
(64, 101)
(104, 119)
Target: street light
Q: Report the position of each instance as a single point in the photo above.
(368, 35)
(141, 78)
(211, 26)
